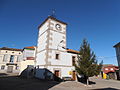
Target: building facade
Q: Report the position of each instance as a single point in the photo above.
(28, 58)
(110, 71)
(117, 48)
(14, 60)
(52, 53)
(10, 59)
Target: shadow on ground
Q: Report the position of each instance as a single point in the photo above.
(2, 74)
(18, 83)
(105, 89)
(84, 81)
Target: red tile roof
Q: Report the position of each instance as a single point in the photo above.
(72, 51)
(12, 49)
(30, 47)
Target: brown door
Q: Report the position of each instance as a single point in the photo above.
(10, 69)
(57, 73)
(73, 75)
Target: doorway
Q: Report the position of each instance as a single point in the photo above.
(57, 72)
(56, 75)
(9, 69)
(74, 75)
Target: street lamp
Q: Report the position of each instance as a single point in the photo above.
(59, 44)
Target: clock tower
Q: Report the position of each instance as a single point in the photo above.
(51, 49)
(51, 40)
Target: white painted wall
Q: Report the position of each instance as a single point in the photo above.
(42, 42)
(28, 53)
(40, 59)
(64, 71)
(65, 58)
(56, 39)
(43, 28)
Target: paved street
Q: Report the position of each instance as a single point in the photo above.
(101, 84)
(17, 83)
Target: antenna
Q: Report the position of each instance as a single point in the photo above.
(53, 13)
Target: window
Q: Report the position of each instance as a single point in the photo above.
(111, 69)
(12, 58)
(6, 51)
(73, 60)
(2, 67)
(5, 58)
(57, 56)
(17, 67)
(106, 68)
(18, 58)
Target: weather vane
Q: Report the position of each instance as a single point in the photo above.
(53, 13)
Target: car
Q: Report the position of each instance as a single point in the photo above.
(67, 78)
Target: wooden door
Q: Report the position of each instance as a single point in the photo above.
(10, 69)
(73, 75)
(57, 73)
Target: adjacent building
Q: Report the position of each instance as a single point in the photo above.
(110, 71)
(117, 48)
(28, 58)
(52, 54)
(14, 60)
(10, 59)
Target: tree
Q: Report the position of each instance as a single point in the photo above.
(87, 64)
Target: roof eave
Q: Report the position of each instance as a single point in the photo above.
(50, 17)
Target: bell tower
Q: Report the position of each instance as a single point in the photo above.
(51, 40)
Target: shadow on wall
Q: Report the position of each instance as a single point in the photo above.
(105, 89)
(40, 73)
(45, 74)
(28, 72)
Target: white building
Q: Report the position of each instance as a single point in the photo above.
(14, 60)
(28, 57)
(51, 51)
(10, 59)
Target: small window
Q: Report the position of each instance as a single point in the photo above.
(73, 60)
(5, 58)
(6, 51)
(12, 58)
(12, 52)
(17, 67)
(2, 67)
(57, 56)
(111, 69)
(106, 68)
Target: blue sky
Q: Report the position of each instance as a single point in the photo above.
(96, 20)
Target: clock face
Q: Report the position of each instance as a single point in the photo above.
(58, 26)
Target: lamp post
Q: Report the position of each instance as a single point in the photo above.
(59, 44)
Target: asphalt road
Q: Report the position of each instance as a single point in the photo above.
(17, 83)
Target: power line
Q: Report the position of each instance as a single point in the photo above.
(105, 57)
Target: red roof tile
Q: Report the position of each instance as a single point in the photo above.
(72, 51)
(12, 49)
